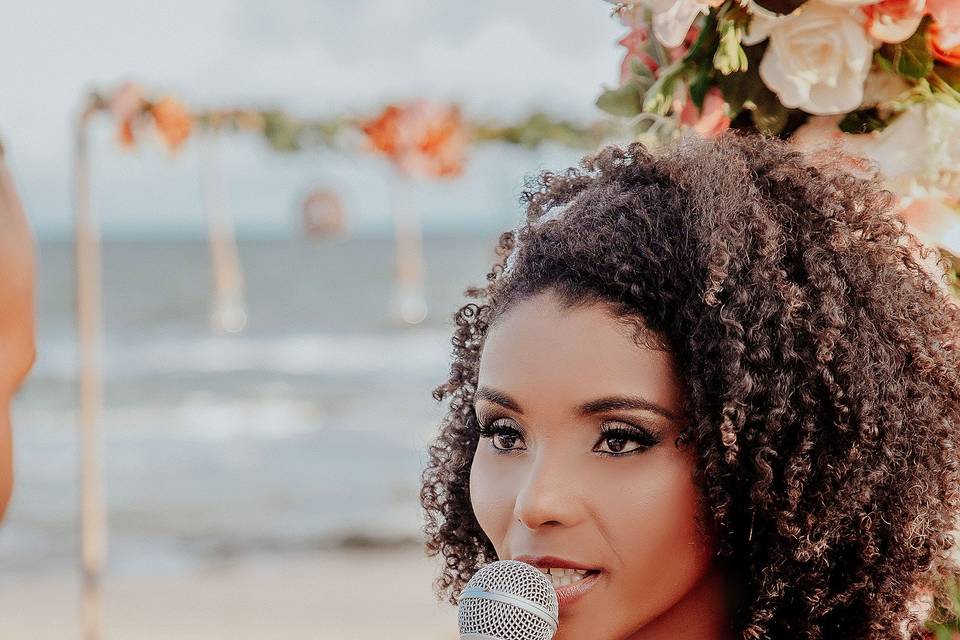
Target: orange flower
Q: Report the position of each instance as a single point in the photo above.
(894, 20)
(946, 14)
(942, 48)
(384, 131)
(709, 121)
(441, 139)
(173, 122)
(420, 138)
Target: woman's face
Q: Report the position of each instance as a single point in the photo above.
(577, 462)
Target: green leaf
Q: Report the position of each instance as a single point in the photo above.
(643, 126)
(699, 85)
(912, 57)
(864, 121)
(627, 101)
(641, 70)
(884, 63)
(705, 43)
(659, 96)
(282, 133)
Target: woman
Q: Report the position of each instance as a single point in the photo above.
(16, 316)
(713, 392)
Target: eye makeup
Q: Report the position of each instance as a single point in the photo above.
(621, 437)
(617, 434)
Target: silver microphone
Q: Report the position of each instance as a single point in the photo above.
(508, 600)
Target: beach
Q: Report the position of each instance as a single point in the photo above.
(368, 594)
(259, 485)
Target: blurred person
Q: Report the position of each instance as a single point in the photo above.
(712, 392)
(17, 347)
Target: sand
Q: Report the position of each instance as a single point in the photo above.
(356, 594)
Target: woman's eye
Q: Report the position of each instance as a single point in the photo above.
(617, 445)
(621, 441)
(503, 438)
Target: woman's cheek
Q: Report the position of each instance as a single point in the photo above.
(492, 496)
(661, 535)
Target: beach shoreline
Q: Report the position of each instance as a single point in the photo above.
(354, 594)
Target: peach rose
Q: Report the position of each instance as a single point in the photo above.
(946, 13)
(709, 121)
(894, 20)
(945, 47)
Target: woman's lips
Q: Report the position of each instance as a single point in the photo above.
(570, 593)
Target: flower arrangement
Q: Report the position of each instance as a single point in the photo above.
(420, 138)
(131, 108)
(879, 78)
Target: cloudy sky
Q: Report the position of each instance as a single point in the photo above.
(317, 57)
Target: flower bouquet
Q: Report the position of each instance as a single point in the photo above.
(879, 77)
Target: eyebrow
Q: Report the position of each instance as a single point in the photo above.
(600, 405)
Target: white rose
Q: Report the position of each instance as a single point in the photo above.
(672, 19)
(818, 57)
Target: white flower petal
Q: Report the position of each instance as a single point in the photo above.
(759, 28)
(671, 26)
(894, 31)
(792, 90)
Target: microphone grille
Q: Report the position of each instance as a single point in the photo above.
(508, 600)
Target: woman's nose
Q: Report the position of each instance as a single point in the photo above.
(548, 495)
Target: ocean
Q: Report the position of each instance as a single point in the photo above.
(307, 430)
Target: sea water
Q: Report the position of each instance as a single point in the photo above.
(307, 430)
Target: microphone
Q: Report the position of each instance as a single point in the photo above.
(508, 600)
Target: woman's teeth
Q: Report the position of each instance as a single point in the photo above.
(561, 577)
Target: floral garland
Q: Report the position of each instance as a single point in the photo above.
(420, 138)
(881, 78)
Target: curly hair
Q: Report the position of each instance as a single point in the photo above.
(819, 363)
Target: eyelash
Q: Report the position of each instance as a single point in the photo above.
(628, 432)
